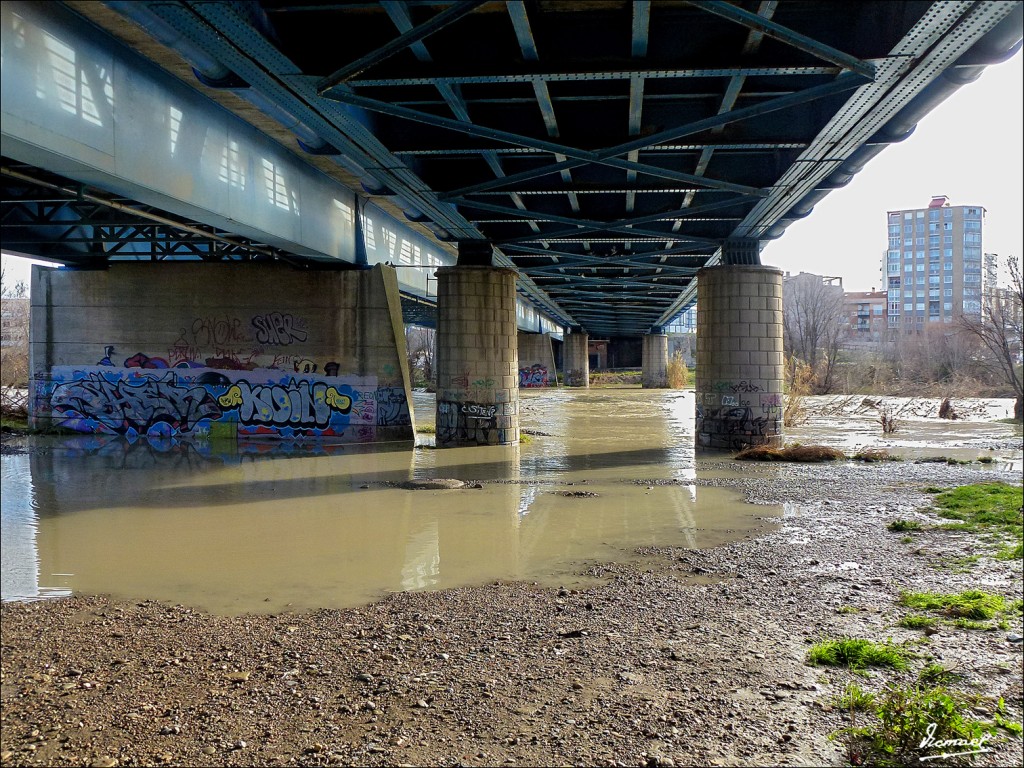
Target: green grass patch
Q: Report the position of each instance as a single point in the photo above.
(956, 564)
(972, 604)
(857, 653)
(847, 609)
(991, 509)
(426, 429)
(14, 423)
(900, 525)
(1011, 553)
(918, 621)
(907, 540)
(979, 626)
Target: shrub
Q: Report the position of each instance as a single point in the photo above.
(677, 372)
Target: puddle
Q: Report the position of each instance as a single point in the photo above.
(304, 527)
(267, 527)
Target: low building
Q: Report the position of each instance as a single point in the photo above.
(865, 318)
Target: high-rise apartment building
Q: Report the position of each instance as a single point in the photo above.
(933, 265)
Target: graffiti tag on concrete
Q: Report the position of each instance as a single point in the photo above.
(300, 403)
(122, 405)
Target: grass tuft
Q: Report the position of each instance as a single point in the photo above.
(800, 453)
(857, 653)
(918, 621)
(870, 455)
(972, 604)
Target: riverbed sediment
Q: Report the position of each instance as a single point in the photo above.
(684, 657)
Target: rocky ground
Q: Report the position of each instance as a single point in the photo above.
(687, 658)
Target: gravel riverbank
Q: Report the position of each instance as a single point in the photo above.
(687, 657)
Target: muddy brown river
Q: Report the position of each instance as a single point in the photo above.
(264, 527)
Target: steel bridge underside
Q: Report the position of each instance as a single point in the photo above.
(607, 150)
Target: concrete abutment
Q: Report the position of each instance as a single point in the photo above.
(576, 359)
(196, 351)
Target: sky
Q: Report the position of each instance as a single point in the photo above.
(970, 148)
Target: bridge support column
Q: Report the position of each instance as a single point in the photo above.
(739, 357)
(477, 357)
(576, 358)
(655, 361)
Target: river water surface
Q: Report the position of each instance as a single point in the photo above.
(262, 528)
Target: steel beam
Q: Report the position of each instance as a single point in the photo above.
(786, 35)
(448, 16)
(844, 82)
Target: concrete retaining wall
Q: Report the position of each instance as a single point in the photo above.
(208, 351)
(536, 361)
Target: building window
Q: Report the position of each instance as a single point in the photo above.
(973, 212)
(933, 240)
(947, 292)
(947, 279)
(908, 243)
(920, 280)
(920, 214)
(894, 229)
(947, 239)
(948, 253)
(909, 216)
(947, 225)
(908, 266)
(972, 306)
(948, 266)
(947, 213)
(948, 306)
(908, 307)
(920, 266)
(920, 306)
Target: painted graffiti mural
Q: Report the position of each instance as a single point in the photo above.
(140, 405)
(205, 402)
(299, 403)
(534, 376)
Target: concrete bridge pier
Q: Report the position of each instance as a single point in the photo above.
(477, 356)
(654, 361)
(739, 357)
(576, 358)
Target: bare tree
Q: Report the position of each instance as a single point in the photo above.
(14, 315)
(812, 324)
(999, 330)
(420, 347)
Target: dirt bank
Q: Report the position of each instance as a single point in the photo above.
(691, 658)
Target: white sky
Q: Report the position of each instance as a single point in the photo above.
(971, 148)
